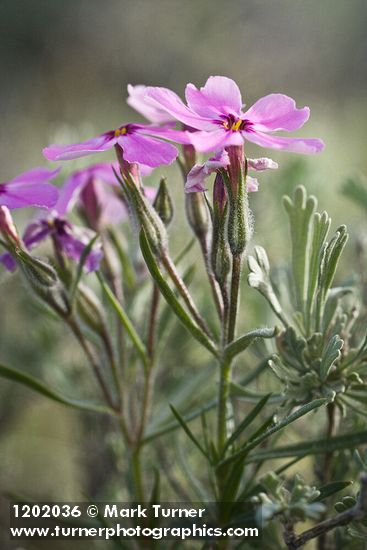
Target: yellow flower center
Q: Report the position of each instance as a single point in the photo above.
(233, 125)
(121, 131)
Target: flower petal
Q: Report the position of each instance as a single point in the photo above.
(196, 177)
(179, 136)
(138, 100)
(36, 232)
(252, 184)
(219, 96)
(307, 146)
(261, 164)
(212, 141)
(82, 149)
(8, 261)
(36, 175)
(20, 195)
(277, 112)
(147, 150)
(75, 184)
(74, 240)
(170, 102)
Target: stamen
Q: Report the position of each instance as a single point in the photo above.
(121, 131)
(236, 125)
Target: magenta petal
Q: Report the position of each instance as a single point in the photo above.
(36, 232)
(146, 150)
(219, 95)
(36, 175)
(252, 184)
(168, 100)
(73, 241)
(261, 164)
(8, 262)
(70, 192)
(307, 146)
(77, 150)
(150, 193)
(19, 195)
(218, 139)
(75, 184)
(142, 104)
(196, 177)
(179, 136)
(277, 112)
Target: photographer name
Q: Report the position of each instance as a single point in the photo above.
(154, 510)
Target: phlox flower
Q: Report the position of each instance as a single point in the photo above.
(30, 188)
(140, 144)
(216, 111)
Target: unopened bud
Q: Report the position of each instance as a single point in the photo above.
(38, 273)
(90, 309)
(220, 258)
(7, 227)
(239, 220)
(163, 203)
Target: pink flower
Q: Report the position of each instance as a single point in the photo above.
(92, 189)
(30, 189)
(145, 106)
(198, 174)
(216, 110)
(140, 144)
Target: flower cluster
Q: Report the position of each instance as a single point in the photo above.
(213, 121)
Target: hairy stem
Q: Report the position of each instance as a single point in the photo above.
(224, 384)
(235, 287)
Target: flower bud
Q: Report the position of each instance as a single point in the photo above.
(144, 212)
(163, 203)
(90, 309)
(239, 219)
(220, 258)
(38, 273)
(7, 227)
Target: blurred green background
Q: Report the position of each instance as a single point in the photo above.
(65, 66)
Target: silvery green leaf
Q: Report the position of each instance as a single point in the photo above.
(330, 356)
(300, 212)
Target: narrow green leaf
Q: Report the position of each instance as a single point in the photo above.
(129, 327)
(316, 403)
(246, 421)
(170, 297)
(244, 341)
(83, 258)
(167, 312)
(331, 488)
(189, 432)
(321, 226)
(26, 380)
(313, 447)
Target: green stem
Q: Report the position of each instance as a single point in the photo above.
(235, 287)
(137, 474)
(223, 395)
